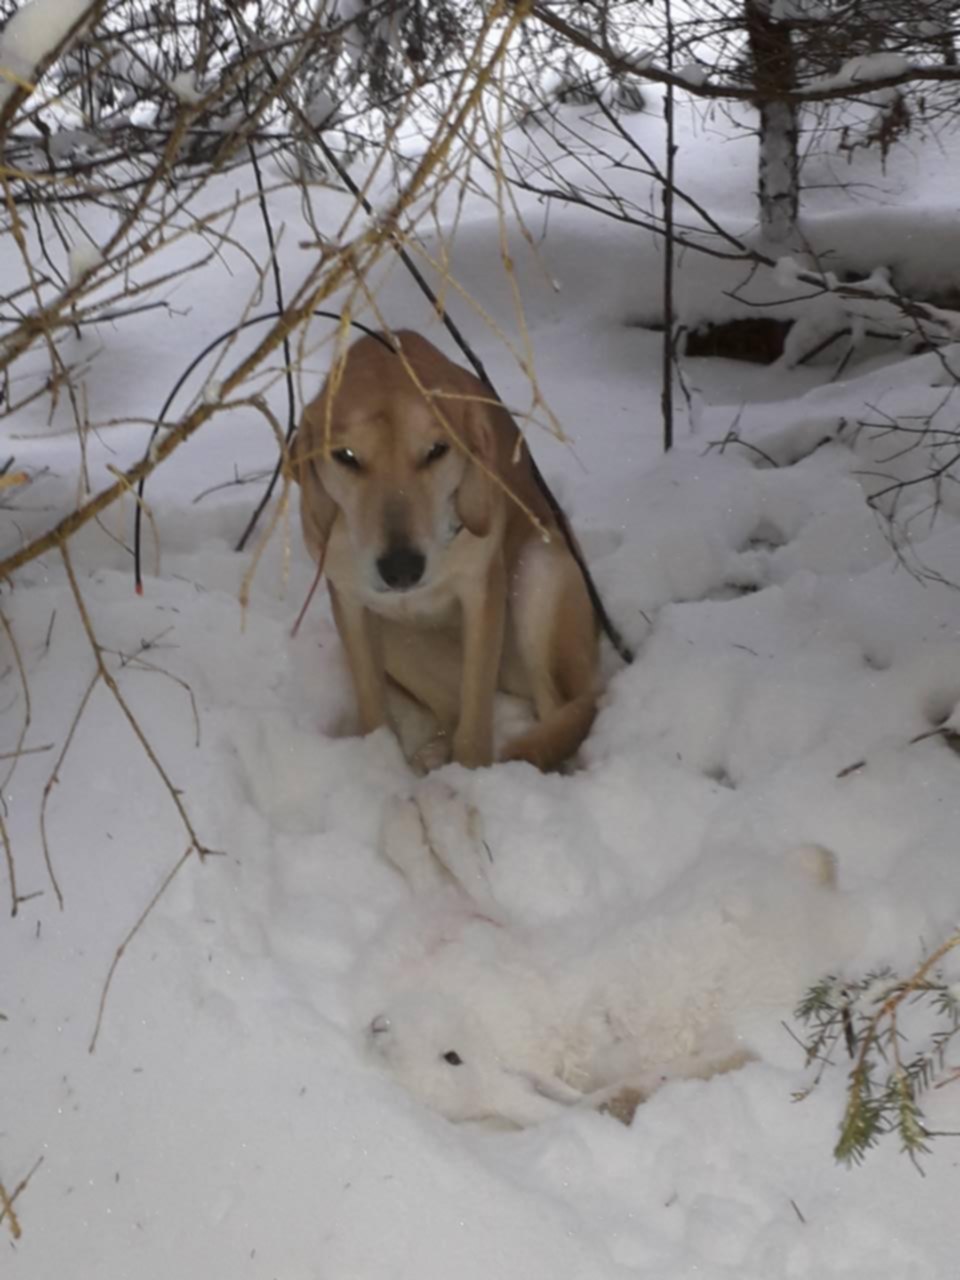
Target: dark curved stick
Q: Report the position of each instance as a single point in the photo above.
(287, 357)
(599, 608)
(211, 346)
(606, 623)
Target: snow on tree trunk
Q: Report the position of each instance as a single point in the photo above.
(774, 75)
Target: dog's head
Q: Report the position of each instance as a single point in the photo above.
(401, 447)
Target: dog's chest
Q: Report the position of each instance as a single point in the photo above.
(433, 606)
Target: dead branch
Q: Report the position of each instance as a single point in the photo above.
(121, 949)
(25, 722)
(107, 677)
(7, 1201)
(7, 1210)
(54, 779)
(11, 866)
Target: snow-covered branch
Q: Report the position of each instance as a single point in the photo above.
(858, 76)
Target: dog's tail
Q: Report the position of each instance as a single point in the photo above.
(555, 738)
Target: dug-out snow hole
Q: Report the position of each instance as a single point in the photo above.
(756, 339)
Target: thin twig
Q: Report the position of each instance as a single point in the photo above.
(25, 723)
(8, 1201)
(310, 594)
(11, 866)
(247, 581)
(135, 662)
(7, 1210)
(54, 779)
(107, 676)
(666, 390)
(26, 751)
(119, 953)
(287, 354)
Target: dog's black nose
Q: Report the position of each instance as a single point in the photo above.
(401, 568)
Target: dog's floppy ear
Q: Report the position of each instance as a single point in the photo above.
(317, 509)
(477, 491)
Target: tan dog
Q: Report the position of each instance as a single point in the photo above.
(413, 483)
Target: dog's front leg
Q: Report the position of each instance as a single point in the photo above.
(483, 608)
(356, 628)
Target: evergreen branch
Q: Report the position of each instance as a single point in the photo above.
(884, 1086)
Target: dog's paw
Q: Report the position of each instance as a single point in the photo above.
(432, 755)
(473, 751)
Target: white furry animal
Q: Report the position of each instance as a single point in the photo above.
(482, 1020)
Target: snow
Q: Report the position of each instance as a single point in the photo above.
(481, 1020)
(799, 11)
(184, 87)
(693, 73)
(82, 259)
(321, 107)
(879, 252)
(863, 70)
(231, 1121)
(787, 270)
(34, 31)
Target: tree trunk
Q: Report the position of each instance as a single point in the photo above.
(774, 74)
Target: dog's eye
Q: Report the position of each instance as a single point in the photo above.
(436, 452)
(453, 1058)
(347, 458)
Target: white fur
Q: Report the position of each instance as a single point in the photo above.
(683, 986)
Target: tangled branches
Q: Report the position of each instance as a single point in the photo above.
(112, 168)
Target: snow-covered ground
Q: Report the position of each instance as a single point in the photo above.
(229, 1123)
